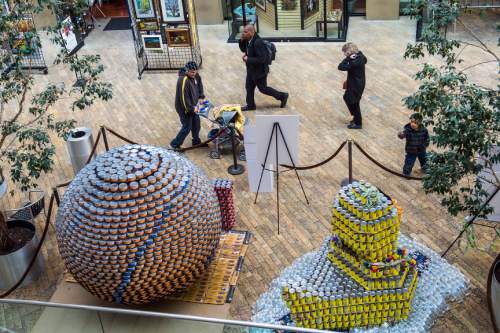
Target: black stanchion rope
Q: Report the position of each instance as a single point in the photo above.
(380, 165)
(317, 164)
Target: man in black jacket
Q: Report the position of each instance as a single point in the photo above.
(354, 64)
(417, 141)
(188, 94)
(256, 58)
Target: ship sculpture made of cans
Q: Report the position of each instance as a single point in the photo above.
(368, 280)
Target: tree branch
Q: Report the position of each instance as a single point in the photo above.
(486, 48)
(472, 44)
(480, 63)
(19, 112)
(489, 165)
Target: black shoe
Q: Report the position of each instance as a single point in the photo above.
(196, 143)
(354, 126)
(248, 108)
(175, 148)
(284, 100)
(351, 122)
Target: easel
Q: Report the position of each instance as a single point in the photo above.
(274, 132)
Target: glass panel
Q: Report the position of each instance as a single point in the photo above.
(334, 19)
(240, 13)
(357, 7)
(16, 318)
(289, 18)
(25, 318)
(402, 5)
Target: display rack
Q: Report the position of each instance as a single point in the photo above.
(162, 42)
(32, 59)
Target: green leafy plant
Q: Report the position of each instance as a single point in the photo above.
(464, 116)
(27, 117)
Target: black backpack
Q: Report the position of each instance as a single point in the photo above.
(271, 51)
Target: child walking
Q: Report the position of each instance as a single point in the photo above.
(417, 141)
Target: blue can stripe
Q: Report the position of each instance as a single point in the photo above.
(127, 275)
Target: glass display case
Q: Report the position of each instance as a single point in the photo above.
(289, 20)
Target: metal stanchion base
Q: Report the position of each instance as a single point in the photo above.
(236, 169)
(346, 181)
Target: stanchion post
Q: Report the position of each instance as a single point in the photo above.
(104, 138)
(56, 196)
(349, 149)
(235, 169)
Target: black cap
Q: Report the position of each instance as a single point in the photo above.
(417, 117)
(191, 66)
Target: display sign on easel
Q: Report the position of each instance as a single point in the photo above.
(277, 144)
(68, 35)
(289, 125)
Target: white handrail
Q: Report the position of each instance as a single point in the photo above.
(160, 315)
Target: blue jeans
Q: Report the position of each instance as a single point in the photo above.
(410, 161)
(190, 123)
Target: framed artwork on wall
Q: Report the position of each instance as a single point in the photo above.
(289, 5)
(144, 8)
(311, 7)
(152, 42)
(173, 11)
(178, 37)
(261, 4)
(148, 26)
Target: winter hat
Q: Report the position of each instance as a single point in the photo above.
(191, 66)
(417, 117)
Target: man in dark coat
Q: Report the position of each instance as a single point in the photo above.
(256, 58)
(417, 141)
(189, 93)
(354, 64)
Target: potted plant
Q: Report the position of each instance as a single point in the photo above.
(27, 118)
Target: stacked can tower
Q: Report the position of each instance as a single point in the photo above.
(367, 280)
(137, 224)
(224, 190)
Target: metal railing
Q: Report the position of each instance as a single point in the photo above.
(162, 315)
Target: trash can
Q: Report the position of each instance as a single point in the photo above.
(80, 143)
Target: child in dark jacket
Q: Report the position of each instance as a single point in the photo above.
(417, 140)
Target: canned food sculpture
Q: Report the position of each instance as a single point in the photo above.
(138, 223)
(369, 280)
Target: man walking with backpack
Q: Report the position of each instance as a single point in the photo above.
(258, 55)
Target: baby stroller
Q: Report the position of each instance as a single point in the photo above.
(229, 119)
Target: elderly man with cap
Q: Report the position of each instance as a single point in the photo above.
(188, 94)
(256, 59)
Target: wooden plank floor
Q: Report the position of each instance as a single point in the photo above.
(144, 111)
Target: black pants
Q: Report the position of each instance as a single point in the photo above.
(263, 88)
(410, 160)
(190, 123)
(355, 112)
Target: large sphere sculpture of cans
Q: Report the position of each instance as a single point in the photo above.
(137, 224)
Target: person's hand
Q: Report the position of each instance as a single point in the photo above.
(196, 109)
(245, 58)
